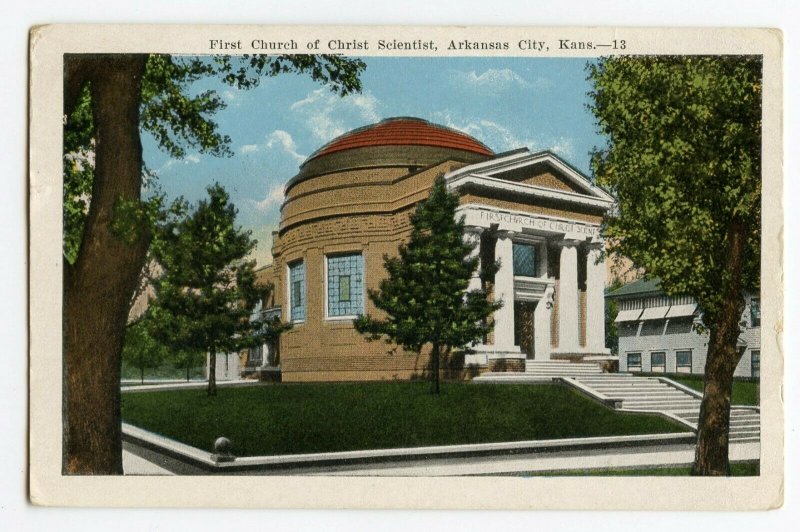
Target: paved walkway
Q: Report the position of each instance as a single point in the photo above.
(138, 461)
(136, 465)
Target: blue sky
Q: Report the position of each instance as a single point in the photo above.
(506, 103)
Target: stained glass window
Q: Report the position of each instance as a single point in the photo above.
(525, 260)
(297, 291)
(345, 285)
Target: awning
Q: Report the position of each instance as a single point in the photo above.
(654, 313)
(679, 311)
(628, 315)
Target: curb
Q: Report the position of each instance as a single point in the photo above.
(204, 460)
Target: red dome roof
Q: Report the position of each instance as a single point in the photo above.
(403, 131)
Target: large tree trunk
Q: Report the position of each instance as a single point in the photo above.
(212, 372)
(711, 453)
(435, 368)
(98, 288)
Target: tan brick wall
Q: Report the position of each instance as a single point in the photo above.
(582, 329)
(323, 215)
(549, 180)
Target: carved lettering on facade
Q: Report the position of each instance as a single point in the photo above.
(535, 222)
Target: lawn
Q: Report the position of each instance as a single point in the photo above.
(306, 418)
(745, 392)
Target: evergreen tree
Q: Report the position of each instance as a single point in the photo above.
(207, 292)
(424, 295)
(684, 160)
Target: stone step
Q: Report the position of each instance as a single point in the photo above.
(671, 405)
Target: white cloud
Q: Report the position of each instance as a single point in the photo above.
(248, 148)
(328, 115)
(501, 138)
(192, 159)
(496, 80)
(274, 197)
(283, 140)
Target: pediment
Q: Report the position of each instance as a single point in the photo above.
(541, 170)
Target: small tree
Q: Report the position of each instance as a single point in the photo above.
(187, 359)
(207, 292)
(425, 294)
(141, 350)
(684, 160)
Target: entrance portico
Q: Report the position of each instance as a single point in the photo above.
(548, 244)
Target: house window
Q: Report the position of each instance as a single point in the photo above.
(755, 312)
(653, 328)
(679, 325)
(683, 361)
(634, 362)
(297, 291)
(525, 263)
(345, 288)
(256, 355)
(755, 363)
(658, 362)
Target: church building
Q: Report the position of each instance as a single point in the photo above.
(349, 206)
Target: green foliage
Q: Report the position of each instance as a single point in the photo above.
(140, 350)
(179, 120)
(684, 161)
(331, 417)
(207, 292)
(611, 311)
(424, 294)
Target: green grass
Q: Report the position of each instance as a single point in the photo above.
(305, 418)
(745, 392)
(744, 469)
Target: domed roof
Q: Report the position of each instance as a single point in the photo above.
(403, 131)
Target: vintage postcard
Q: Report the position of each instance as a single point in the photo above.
(406, 267)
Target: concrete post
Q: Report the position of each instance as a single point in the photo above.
(568, 315)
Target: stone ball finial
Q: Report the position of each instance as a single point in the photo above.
(222, 445)
(222, 450)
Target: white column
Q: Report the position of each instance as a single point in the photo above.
(595, 300)
(504, 291)
(472, 235)
(568, 316)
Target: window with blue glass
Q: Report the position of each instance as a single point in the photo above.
(755, 312)
(525, 263)
(345, 285)
(297, 291)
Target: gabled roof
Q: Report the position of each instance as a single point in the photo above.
(637, 288)
(507, 162)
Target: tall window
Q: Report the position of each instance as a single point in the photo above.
(755, 363)
(755, 312)
(658, 362)
(634, 362)
(297, 291)
(345, 285)
(525, 263)
(683, 361)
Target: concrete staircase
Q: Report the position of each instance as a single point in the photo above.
(630, 393)
(659, 394)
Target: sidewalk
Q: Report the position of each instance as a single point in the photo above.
(620, 458)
